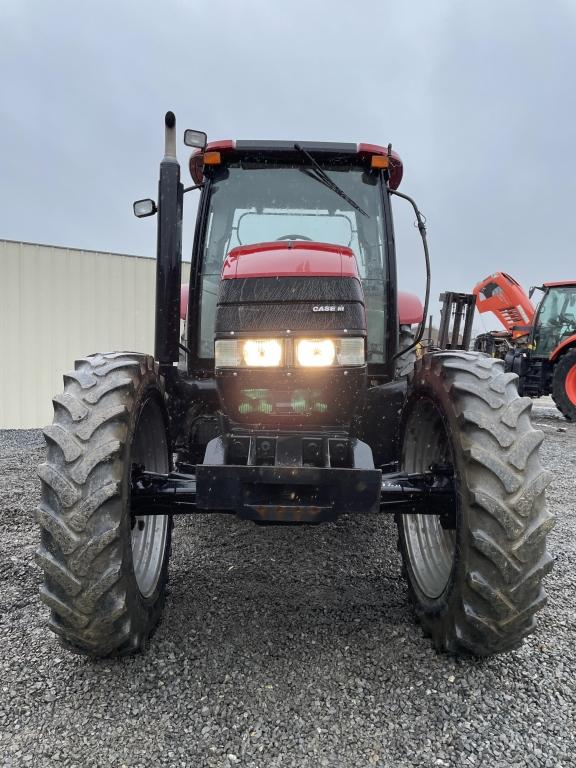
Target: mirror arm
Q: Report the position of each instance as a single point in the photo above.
(534, 288)
(420, 220)
(196, 186)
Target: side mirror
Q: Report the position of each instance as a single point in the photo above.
(196, 139)
(143, 208)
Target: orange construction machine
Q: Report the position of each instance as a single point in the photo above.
(538, 344)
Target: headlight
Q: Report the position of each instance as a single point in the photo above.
(351, 351)
(317, 353)
(262, 353)
(313, 353)
(275, 353)
(249, 353)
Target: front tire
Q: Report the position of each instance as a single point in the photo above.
(564, 385)
(477, 584)
(405, 362)
(105, 572)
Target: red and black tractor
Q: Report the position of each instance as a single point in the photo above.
(538, 344)
(293, 397)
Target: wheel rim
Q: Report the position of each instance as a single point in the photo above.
(570, 385)
(430, 547)
(149, 532)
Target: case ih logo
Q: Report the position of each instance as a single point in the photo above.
(328, 308)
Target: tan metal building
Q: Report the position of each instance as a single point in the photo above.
(59, 304)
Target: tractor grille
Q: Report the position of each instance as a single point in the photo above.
(290, 303)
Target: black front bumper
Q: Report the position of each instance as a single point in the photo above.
(287, 494)
(293, 494)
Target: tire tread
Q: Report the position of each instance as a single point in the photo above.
(80, 514)
(503, 485)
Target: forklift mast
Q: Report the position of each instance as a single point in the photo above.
(456, 307)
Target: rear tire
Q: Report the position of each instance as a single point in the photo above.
(105, 572)
(564, 385)
(477, 587)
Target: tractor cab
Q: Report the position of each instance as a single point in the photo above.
(292, 305)
(555, 320)
(307, 199)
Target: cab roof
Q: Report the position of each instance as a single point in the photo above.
(328, 149)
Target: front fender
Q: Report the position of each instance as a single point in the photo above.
(410, 309)
(563, 347)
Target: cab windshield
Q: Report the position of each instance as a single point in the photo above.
(264, 204)
(556, 319)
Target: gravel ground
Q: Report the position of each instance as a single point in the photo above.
(283, 647)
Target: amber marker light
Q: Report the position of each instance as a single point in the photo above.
(379, 161)
(212, 158)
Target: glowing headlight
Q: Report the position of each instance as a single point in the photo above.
(318, 353)
(251, 353)
(315, 352)
(262, 353)
(272, 353)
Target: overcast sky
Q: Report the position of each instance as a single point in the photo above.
(477, 96)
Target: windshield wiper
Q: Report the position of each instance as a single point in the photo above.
(320, 175)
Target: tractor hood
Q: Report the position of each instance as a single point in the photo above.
(290, 286)
(292, 258)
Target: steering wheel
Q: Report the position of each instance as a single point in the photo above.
(561, 320)
(294, 237)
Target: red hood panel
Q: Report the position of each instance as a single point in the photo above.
(290, 259)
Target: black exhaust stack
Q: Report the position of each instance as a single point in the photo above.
(169, 251)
